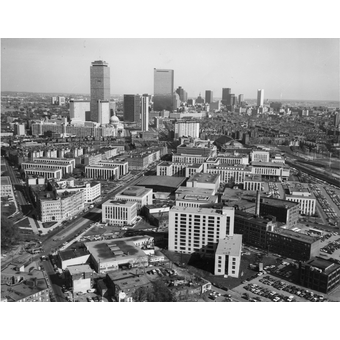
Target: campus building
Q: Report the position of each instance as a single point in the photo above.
(204, 180)
(141, 195)
(119, 212)
(49, 172)
(260, 156)
(269, 170)
(122, 164)
(53, 207)
(301, 195)
(101, 171)
(187, 128)
(67, 165)
(228, 173)
(195, 197)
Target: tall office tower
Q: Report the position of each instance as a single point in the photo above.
(337, 119)
(260, 97)
(226, 96)
(100, 87)
(183, 95)
(231, 99)
(145, 112)
(132, 109)
(199, 230)
(78, 109)
(209, 96)
(240, 99)
(163, 90)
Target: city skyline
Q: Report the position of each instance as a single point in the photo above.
(300, 69)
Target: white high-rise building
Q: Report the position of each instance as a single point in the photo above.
(78, 109)
(260, 97)
(187, 128)
(199, 229)
(145, 112)
(103, 112)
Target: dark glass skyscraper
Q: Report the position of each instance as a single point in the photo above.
(100, 87)
(183, 95)
(132, 108)
(226, 96)
(209, 96)
(163, 90)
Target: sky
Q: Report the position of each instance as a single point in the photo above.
(303, 69)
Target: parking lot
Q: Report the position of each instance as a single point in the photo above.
(267, 288)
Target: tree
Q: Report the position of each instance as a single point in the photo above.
(140, 295)
(9, 233)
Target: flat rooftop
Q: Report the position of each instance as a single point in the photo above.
(167, 164)
(270, 165)
(195, 165)
(49, 169)
(295, 235)
(200, 211)
(124, 203)
(72, 254)
(79, 269)
(135, 191)
(163, 181)
(102, 166)
(251, 217)
(116, 249)
(127, 280)
(324, 265)
(24, 289)
(5, 180)
(194, 191)
(204, 178)
(231, 245)
(276, 202)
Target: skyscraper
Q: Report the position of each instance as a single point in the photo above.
(226, 96)
(240, 99)
(183, 95)
(163, 90)
(260, 97)
(337, 119)
(100, 87)
(132, 108)
(209, 96)
(145, 112)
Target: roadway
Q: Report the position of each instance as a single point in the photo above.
(54, 280)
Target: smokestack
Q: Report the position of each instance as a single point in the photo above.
(257, 203)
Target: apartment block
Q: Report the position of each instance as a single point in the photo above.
(199, 229)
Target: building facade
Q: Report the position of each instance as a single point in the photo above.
(163, 90)
(119, 212)
(199, 230)
(100, 87)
